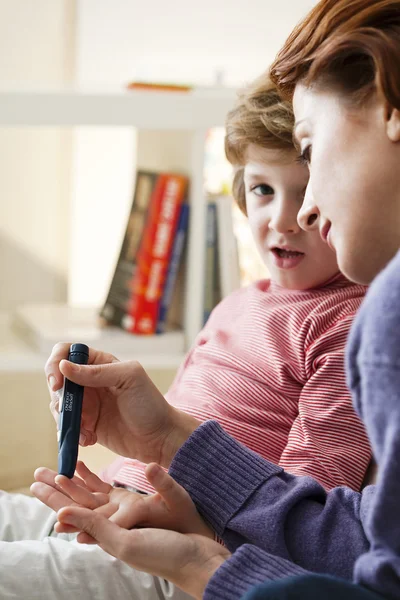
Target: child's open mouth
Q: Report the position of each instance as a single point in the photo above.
(286, 253)
(287, 259)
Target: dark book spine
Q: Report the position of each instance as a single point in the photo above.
(176, 257)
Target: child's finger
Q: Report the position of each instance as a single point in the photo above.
(62, 528)
(93, 483)
(102, 530)
(47, 476)
(107, 510)
(49, 495)
(130, 514)
(172, 493)
(85, 538)
(80, 495)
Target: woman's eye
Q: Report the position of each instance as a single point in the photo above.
(305, 156)
(262, 190)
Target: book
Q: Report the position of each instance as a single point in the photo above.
(176, 257)
(154, 253)
(211, 275)
(158, 86)
(228, 256)
(120, 291)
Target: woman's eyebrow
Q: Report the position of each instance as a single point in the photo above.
(296, 125)
(294, 135)
(295, 141)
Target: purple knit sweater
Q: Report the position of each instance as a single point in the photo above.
(276, 524)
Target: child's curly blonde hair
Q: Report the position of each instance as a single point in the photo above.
(262, 118)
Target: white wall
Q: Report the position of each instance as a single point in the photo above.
(181, 39)
(36, 48)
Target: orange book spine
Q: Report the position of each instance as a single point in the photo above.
(155, 253)
(160, 87)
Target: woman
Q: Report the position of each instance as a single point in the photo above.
(342, 65)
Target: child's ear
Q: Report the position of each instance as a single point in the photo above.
(393, 124)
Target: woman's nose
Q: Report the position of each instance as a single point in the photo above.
(308, 216)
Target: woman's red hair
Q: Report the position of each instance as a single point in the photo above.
(348, 46)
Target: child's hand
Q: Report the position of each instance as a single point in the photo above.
(187, 560)
(170, 508)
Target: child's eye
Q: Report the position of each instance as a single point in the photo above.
(262, 190)
(305, 156)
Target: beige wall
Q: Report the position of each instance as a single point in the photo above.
(36, 49)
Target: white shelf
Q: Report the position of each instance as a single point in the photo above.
(28, 336)
(197, 109)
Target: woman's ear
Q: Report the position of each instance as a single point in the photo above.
(393, 124)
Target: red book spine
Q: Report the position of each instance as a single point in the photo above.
(155, 252)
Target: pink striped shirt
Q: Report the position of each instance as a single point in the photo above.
(269, 367)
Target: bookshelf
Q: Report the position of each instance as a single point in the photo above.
(170, 131)
(198, 109)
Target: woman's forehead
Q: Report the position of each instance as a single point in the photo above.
(303, 101)
(311, 105)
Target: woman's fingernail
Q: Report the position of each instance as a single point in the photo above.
(52, 383)
(71, 365)
(74, 366)
(82, 439)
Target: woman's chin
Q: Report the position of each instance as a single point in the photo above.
(359, 270)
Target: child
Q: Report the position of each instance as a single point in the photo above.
(269, 363)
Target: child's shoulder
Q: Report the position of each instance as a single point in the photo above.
(340, 296)
(329, 311)
(239, 300)
(319, 307)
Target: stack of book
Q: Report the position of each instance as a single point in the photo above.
(141, 288)
(140, 298)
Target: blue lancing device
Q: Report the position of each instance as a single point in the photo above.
(70, 415)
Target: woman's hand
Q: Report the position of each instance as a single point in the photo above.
(122, 408)
(187, 560)
(170, 508)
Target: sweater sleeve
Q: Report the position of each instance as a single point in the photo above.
(246, 499)
(379, 568)
(374, 377)
(328, 440)
(247, 567)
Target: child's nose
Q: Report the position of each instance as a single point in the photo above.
(284, 223)
(308, 215)
(283, 218)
